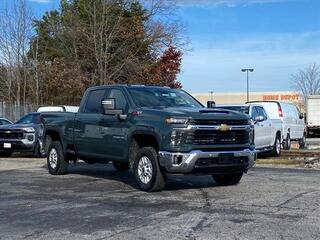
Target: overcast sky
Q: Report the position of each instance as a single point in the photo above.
(275, 37)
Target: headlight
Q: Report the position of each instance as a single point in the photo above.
(29, 130)
(251, 122)
(171, 120)
(178, 137)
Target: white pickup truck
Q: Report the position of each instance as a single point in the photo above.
(267, 132)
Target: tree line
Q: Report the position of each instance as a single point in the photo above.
(53, 59)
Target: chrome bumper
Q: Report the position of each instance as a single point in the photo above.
(185, 162)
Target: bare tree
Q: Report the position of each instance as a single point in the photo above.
(15, 33)
(308, 80)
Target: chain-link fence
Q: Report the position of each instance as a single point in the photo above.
(13, 111)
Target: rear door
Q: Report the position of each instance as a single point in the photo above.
(88, 136)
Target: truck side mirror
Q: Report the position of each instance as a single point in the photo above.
(301, 116)
(109, 108)
(211, 104)
(259, 119)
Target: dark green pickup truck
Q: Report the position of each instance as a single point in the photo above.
(155, 131)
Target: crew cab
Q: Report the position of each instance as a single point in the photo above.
(155, 131)
(267, 132)
(25, 136)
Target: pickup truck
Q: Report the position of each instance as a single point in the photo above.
(267, 132)
(155, 131)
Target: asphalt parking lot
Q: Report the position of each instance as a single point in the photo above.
(96, 202)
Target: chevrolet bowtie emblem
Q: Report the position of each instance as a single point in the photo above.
(7, 132)
(224, 128)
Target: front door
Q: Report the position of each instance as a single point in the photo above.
(258, 129)
(115, 130)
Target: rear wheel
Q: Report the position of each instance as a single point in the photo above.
(227, 179)
(147, 171)
(287, 142)
(121, 166)
(57, 164)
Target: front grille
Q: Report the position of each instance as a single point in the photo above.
(216, 137)
(209, 162)
(217, 122)
(11, 134)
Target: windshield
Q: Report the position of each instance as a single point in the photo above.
(162, 97)
(242, 109)
(30, 118)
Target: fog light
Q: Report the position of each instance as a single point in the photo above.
(177, 159)
(30, 138)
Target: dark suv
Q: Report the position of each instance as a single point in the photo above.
(23, 136)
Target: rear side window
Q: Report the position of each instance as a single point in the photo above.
(93, 104)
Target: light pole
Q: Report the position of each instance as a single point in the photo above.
(211, 95)
(247, 70)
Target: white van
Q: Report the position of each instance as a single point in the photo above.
(293, 124)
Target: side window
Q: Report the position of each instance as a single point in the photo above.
(121, 102)
(261, 112)
(254, 113)
(93, 104)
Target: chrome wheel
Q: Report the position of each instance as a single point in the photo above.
(145, 169)
(278, 146)
(53, 158)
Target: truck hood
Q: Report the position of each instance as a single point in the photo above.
(203, 113)
(18, 126)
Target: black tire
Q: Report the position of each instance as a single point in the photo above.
(302, 142)
(157, 180)
(121, 166)
(276, 150)
(57, 164)
(287, 142)
(227, 179)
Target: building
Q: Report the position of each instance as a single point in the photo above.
(241, 98)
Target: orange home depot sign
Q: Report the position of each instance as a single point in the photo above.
(282, 97)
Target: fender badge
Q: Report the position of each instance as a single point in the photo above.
(224, 128)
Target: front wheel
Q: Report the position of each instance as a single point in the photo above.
(227, 179)
(57, 164)
(276, 150)
(302, 142)
(287, 142)
(147, 171)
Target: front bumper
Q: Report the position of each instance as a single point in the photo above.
(22, 145)
(207, 162)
